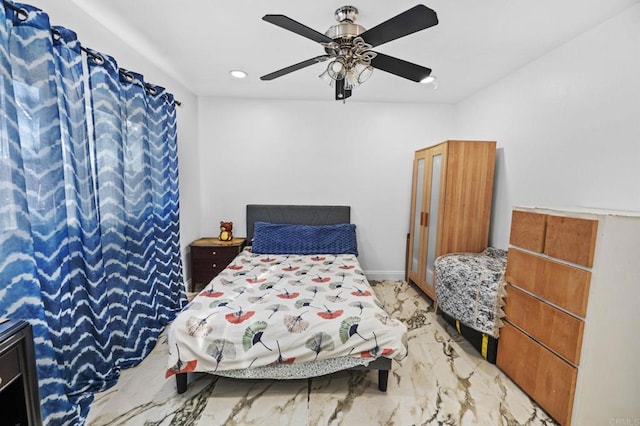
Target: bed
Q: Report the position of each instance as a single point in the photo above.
(470, 289)
(295, 304)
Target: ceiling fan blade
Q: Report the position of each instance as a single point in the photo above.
(296, 27)
(295, 67)
(415, 19)
(342, 92)
(400, 68)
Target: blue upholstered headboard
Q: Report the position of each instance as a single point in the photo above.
(295, 215)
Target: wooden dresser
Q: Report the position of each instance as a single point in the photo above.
(209, 256)
(571, 338)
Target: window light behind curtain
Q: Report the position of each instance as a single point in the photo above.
(89, 234)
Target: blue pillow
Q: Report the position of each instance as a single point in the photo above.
(272, 238)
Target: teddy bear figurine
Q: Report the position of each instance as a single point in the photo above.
(225, 231)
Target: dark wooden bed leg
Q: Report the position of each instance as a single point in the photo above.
(383, 379)
(181, 382)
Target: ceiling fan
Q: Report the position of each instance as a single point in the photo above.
(348, 47)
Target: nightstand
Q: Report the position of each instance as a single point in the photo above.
(209, 256)
(18, 376)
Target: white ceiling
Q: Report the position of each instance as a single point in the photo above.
(475, 44)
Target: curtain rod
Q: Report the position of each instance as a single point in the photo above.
(16, 9)
(23, 14)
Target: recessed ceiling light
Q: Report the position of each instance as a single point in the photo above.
(427, 80)
(238, 74)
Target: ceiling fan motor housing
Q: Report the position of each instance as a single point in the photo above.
(346, 13)
(343, 32)
(346, 27)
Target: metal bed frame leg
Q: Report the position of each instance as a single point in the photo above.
(383, 379)
(181, 382)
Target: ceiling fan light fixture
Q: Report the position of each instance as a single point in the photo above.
(239, 74)
(337, 69)
(326, 78)
(358, 74)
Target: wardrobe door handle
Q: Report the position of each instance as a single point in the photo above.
(424, 216)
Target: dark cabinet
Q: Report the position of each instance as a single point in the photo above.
(209, 256)
(18, 377)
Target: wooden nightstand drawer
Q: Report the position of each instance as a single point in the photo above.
(547, 378)
(213, 254)
(206, 271)
(556, 329)
(559, 283)
(9, 367)
(528, 230)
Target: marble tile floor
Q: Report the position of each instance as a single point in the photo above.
(443, 381)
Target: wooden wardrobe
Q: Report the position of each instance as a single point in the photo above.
(450, 205)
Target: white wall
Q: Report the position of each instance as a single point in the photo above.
(297, 152)
(567, 129)
(96, 35)
(567, 125)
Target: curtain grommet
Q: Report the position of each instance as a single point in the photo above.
(98, 59)
(22, 14)
(126, 76)
(152, 90)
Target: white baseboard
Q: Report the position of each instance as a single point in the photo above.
(384, 275)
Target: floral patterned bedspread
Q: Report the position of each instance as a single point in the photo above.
(267, 310)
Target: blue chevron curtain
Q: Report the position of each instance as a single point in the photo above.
(89, 231)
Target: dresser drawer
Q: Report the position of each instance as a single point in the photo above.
(556, 329)
(559, 283)
(9, 366)
(203, 272)
(571, 239)
(544, 376)
(528, 230)
(214, 253)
